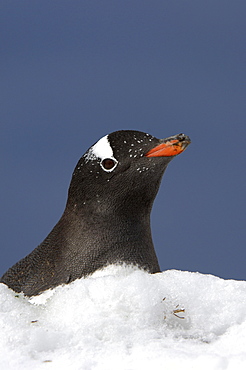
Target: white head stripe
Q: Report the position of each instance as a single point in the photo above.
(101, 150)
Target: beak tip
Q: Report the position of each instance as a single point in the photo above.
(170, 147)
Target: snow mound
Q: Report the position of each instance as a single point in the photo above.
(123, 318)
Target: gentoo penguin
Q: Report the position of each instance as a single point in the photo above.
(107, 215)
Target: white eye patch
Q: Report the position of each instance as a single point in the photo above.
(102, 150)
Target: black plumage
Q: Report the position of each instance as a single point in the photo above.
(107, 215)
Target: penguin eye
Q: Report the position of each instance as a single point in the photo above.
(108, 164)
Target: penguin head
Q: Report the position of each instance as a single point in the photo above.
(123, 170)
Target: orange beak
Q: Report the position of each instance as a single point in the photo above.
(171, 146)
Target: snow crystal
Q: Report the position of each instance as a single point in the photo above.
(123, 318)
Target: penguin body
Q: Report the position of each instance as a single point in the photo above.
(107, 216)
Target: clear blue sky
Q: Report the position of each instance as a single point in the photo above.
(73, 71)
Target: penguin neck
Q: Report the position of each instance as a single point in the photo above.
(99, 222)
(108, 238)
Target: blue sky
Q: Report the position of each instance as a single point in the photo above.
(73, 71)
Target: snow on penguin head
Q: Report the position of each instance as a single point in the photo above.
(118, 169)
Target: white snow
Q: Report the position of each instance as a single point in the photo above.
(122, 318)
